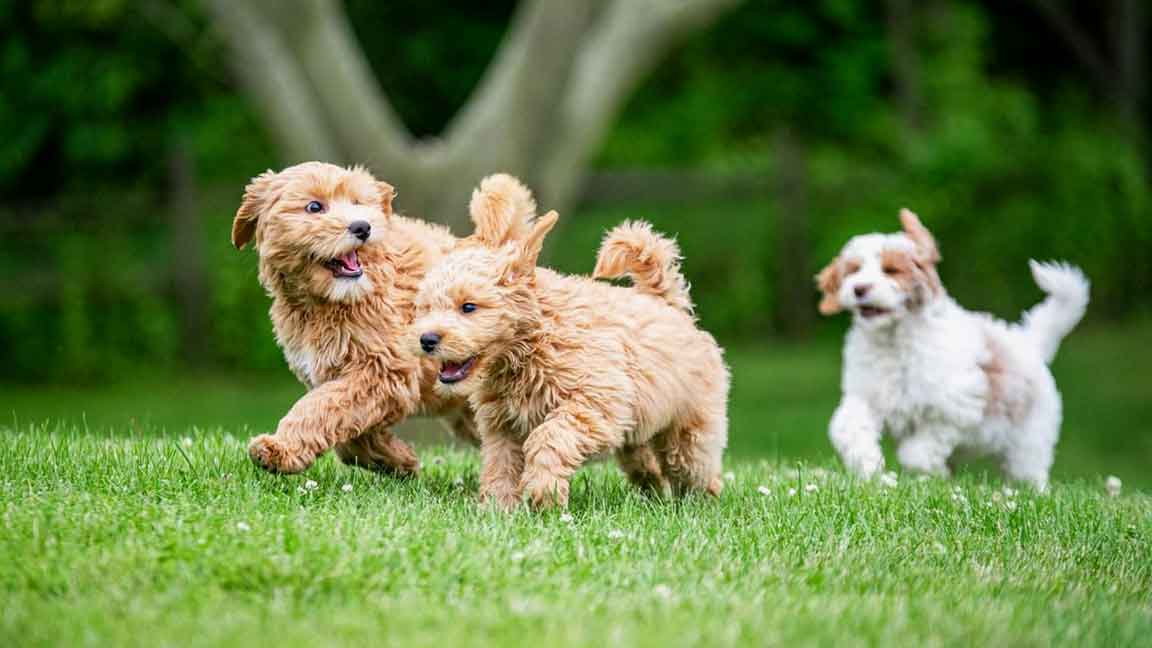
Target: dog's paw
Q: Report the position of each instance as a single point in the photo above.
(268, 453)
(502, 502)
(865, 465)
(545, 493)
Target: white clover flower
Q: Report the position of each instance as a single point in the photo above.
(764, 490)
(663, 591)
(616, 534)
(347, 488)
(811, 488)
(1010, 505)
(791, 492)
(243, 526)
(566, 517)
(729, 476)
(458, 482)
(889, 479)
(311, 485)
(1009, 492)
(186, 442)
(1113, 485)
(517, 556)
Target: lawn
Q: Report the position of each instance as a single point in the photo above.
(143, 540)
(130, 516)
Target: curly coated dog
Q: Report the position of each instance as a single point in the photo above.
(561, 368)
(342, 271)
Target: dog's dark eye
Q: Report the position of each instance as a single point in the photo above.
(468, 308)
(891, 270)
(314, 207)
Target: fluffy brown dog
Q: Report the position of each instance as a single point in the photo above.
(561, 368)
(342, 271)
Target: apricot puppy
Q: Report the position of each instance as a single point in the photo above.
(342, 271)
(560, 368)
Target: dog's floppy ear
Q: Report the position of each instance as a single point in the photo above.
(523, 264)
(387, 195)
(502, 209)
(925, 242)
(255, 197)
(828, 281)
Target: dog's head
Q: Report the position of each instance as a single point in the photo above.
(479, 301)
(312, 224)
(883, 277)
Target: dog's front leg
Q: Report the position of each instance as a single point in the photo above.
(336, 412)
(855, 433)
(557, 448)
(501, 464)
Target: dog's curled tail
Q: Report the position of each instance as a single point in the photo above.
(502, 209)
(650, 260)
(1048, 322)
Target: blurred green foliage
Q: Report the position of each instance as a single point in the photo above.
(1012, 154)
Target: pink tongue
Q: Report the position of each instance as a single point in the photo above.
(350, 262)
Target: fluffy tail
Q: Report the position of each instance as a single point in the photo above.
(652, 261)
(502, 209)
(1050, 320)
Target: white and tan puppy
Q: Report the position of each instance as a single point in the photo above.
(939, 379)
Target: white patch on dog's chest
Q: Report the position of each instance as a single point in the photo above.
(303, 363)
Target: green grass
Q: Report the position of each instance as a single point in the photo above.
(131, 516)
(142, 540)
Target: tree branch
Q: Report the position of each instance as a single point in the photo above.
(627, 42)
(523, 81)
(367, 126)
(1081, 45)
(269, 74)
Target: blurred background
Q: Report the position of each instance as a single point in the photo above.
(762, 133)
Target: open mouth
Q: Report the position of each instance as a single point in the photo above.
(346, 267)
(453, 372)
(868, 312)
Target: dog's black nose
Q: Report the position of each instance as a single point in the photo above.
(428, 342)
(862, 289)
(360, 229)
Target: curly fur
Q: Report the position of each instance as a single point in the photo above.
(340, 335)
(943, 381)
(560, 368)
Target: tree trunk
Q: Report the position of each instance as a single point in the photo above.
(793, 315)
(556, 84)
(187, 254)
(906, 64)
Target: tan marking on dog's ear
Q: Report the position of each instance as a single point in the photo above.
(524, 263)
(828, 281)
(255, 196)
(387, 195)
(915, 230)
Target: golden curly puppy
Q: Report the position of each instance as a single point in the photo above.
(560, 368)
(342, 271)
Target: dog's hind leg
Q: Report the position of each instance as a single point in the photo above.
(642, 466)
(692, 453)
(380, 451)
